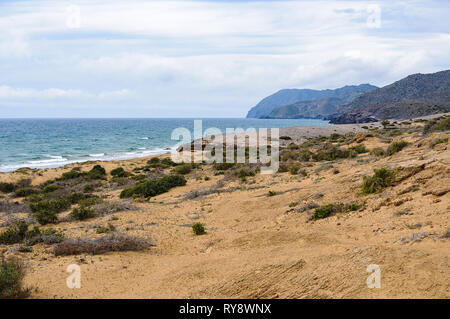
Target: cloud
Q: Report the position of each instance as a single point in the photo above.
(213, 58)
(8, 92)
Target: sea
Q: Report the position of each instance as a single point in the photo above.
(47, 143)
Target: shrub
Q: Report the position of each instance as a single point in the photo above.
(437, 125)
(71, 175)
(330, 152)
(14, 233)
(354, 206)
(385, 123)
(286, 138)
(46, 236)
(25, 191)
(396, 147)
(50, 189)
(118, 172)
(82, 213)
(437, 141)
(381, 179)
(14, 207)
(198, 229)
(102, 230)
(101, 245)
(45, 217)
(293, 204)
(359, 149)
(282, 168)
(294, 169)
(223, 166)
(377, 151)
(55, 205)
(97, 172)
(271, 193)
(182, 169)
(11, 279)
(154, 160)
(243, 172)
(7, 187)
(154, 187)
(323, 211)
(25, 249)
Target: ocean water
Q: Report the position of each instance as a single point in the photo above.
(45, 143)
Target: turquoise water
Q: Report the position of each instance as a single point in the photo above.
(44, 143)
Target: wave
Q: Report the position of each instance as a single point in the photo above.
(57, 161)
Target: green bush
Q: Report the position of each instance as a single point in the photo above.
(442, 124)
(25, 191)
(396, 147)
(286, 138)
(97, 172)
(437, 141)
(50, 189)
(7, 187)
(271, 193)
(223, 166)
(323, 211)
(182, 169)
(154, 187)
(381, 179)
(45, 217)
(330, 152)
(11, 279)
(14, 233)
(198, 229)
(71, 175)
(118, 172)
(359, 149)
(82, 213)
(294, 169)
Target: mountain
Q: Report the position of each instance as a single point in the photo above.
(307, 109)
(413, 96)
(327, 100)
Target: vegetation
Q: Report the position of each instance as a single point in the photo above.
(381, 179)
(441, 124)
(82, 213)
(7, 187)
(396, 147)
(377, 151)
(271, 193)
(119, 172)
(115, 242)
(182, 169)
(438, 141)
(286, 138)
(97, 172)
(154, 187)
(223, 166)
(198, 229)
(323, 211)
(11, 279)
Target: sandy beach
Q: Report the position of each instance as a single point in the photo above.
(261, 238)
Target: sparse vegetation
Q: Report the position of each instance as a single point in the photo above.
(115, 242)
(396, 147)
(198, 229)
(7, 187)
(11, 279)
(286, 138)
(437, 141)
(381, 179)
(154, 187)
(323, 211)
(82, 213)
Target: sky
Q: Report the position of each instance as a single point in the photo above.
(134, 58)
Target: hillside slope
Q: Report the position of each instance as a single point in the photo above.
(413, 96)
(291, 96)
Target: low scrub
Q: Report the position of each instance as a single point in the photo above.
(101, 245)
(381, 179)
(441, 124)
(198, 229)
(396, 147)
(11, 279)
(182, 169)
(7, 187)
(323, 211)
(154, 187)
(437, 141)
(19, 233)
(82, 213)
(97, 172)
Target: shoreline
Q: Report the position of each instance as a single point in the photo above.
(298, 134)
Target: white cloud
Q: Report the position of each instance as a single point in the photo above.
(8, 92)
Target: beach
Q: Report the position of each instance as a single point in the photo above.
(262, 240)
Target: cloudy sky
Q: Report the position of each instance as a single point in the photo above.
(133, 58)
